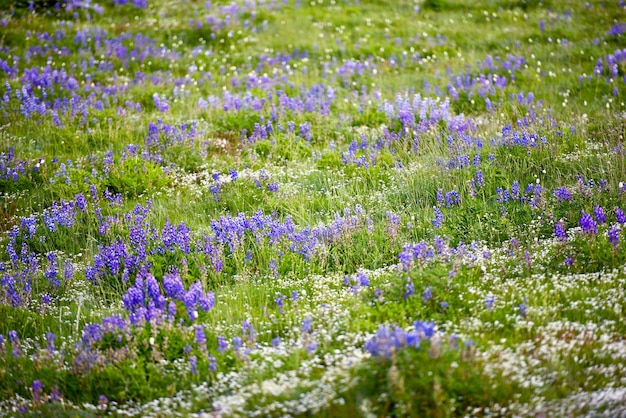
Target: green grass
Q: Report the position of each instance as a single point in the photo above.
(526, 323)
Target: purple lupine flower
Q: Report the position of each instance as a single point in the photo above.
(248, 330)
(363, 279)
(427, 328)
(295, 296)
(428, 294)
(200, 336)
(173, 285)
(222, 344)
(275, 342)
(237, 343)
(30, 224)
(15, 344)
(36, 388)
(193, 364)
(51, 273)
(479, 181)
(312, 347)
(207, 301)
(452, 198)
(409, 289)
(515, 190)
(45, 299)
(439, 196)
(587, 224)
(81, 202)
(160, 103)
(212, 363)
(559, 230)
(599, 213)
(522, 310)
(614, 236)
(171, 309)
(562, 194)
(50, 342)
(55, 395)
(439, 218)
(279, 302)
(307, 325)
(68, 270)
(273, 267)
(489, 301)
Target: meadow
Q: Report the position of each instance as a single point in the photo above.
(312, 208)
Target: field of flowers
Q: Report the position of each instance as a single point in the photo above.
(326, 207)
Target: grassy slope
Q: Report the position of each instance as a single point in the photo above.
(553, 335)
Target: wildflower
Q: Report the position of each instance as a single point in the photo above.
(29, 223)
(173, 286)
(307, 325)
(515, 190)
(212, 363)
(522, 310)
(237, 343)
(614, 236)
(279, 302)
(222, 344)
(103, 402)
(50, 342)
(15, 344)
(200, 336)
(479, 180)
(562, 194)
(489, 301)
(599, 213)
(452, 198)
(440, 196)
(36, 388)
(559, 230)
(428, 294)
(439, 218)
(68, 270)
(193, 363)
(588, 225)
(363, 279)
(410, 289)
